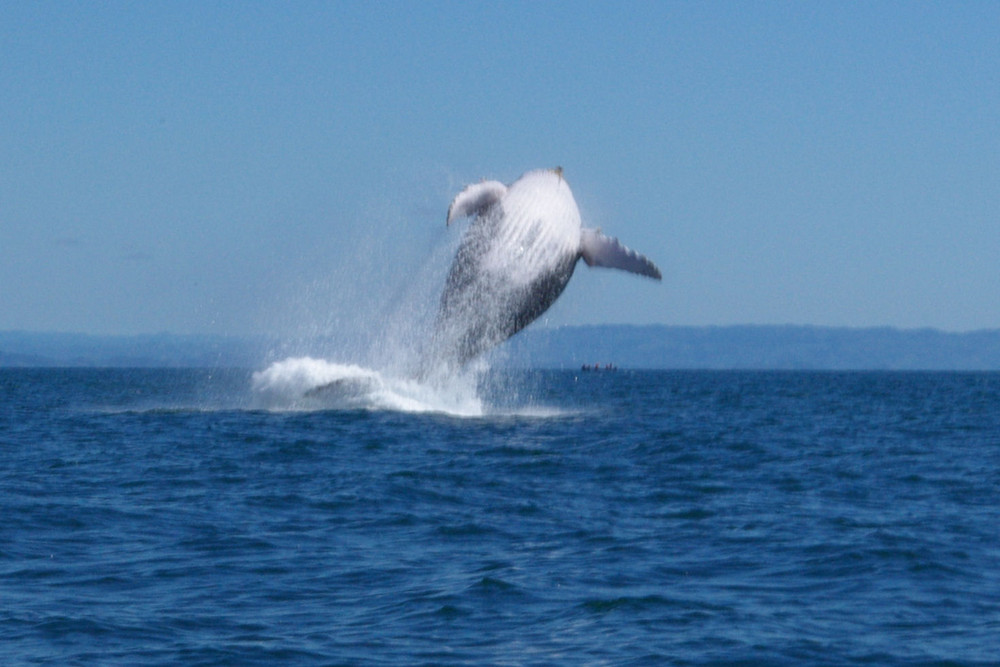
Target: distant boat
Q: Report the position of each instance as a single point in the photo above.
(598, 367)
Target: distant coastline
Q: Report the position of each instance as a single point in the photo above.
(788, 347)
(765, 347)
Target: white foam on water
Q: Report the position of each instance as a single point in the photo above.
(306, 383)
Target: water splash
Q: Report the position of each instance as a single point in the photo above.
(383, 346)
(365, 340)
(306, 383)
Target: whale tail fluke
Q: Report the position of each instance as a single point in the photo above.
(600, 250)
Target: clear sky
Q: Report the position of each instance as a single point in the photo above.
(273, 167)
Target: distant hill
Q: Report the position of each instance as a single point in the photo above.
(757, 347)
(657, 346)
(22, 349)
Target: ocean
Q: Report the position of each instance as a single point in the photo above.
(314, 514)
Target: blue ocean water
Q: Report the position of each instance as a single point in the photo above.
(188, 517)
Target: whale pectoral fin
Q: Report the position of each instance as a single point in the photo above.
(600, 250)
(475, 199)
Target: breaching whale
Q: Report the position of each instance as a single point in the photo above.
(513, 262)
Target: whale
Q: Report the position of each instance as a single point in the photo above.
(513, 261)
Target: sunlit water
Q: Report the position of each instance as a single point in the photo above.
(228, 517)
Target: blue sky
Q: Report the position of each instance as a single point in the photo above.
(286, 167)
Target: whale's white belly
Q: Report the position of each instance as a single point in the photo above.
(537, 227)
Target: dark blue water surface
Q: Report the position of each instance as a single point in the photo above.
(157, 517)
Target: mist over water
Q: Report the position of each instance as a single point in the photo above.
(365, 344)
